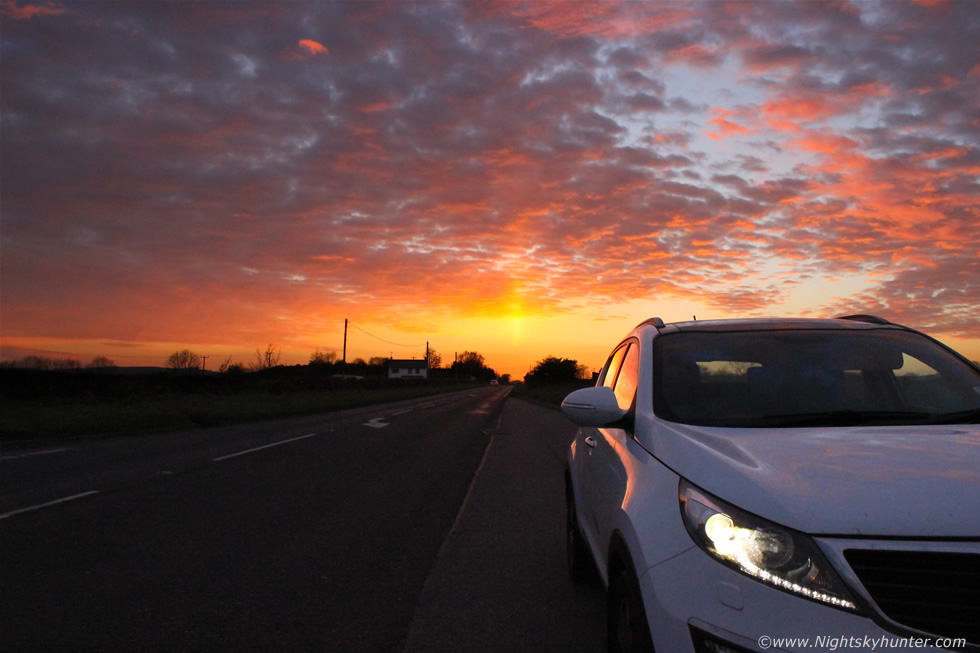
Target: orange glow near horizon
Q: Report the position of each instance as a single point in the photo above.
(511, 343)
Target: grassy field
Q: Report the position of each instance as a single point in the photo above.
(548, 394)
(42, 405)
(56, 417)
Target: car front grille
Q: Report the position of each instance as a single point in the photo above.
(934, 592)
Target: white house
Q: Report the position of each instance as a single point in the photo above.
(407, 369)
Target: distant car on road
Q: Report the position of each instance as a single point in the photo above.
(743, 485)
(493, 382)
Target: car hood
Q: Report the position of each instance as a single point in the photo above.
(921, 481)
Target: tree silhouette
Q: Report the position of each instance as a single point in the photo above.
(184, 360)
(268, 359)
(323, 357)
(552, 369)
(473, 364)
(434, 358)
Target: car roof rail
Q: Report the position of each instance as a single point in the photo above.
(871, 319)
(655, 321)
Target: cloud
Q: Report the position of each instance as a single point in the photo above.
(11, 9)
(179, 177)
(312, 47)
(725, 128)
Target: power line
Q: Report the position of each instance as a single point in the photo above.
(381, 339)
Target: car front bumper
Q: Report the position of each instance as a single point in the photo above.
(693, 597)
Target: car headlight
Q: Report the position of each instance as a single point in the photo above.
(765, 551)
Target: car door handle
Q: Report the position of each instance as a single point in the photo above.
(590, 441)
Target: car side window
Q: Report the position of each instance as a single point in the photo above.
(625, 388)
(612, 368)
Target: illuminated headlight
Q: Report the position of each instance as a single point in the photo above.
(765, 551)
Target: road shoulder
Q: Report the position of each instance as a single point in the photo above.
(499, 583)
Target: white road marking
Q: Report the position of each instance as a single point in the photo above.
(32, 453)
(402, 412)
(49, 503)
(265, 446)
(376, 423)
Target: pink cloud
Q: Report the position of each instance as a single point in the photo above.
(12, 10)
(725, 128)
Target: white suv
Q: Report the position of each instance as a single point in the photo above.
(769, 484)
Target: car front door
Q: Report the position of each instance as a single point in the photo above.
(608, 474)
(589, 438)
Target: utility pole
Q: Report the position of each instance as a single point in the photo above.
(345, 341)
(204, 363)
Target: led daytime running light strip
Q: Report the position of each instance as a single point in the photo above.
(772, 579)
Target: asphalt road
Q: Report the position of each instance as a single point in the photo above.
(427, 525)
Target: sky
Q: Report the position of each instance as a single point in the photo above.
(521, 179)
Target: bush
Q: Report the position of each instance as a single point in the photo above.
(553, 370)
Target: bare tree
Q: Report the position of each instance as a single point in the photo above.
(268, 359)
(434, 358)
(323, 357)
(43, 363)
(100, 362)
(227, 367)
(184, 360)
(37, 363)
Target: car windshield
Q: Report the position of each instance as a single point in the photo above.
(780, 378)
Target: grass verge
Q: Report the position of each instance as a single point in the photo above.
(550, 395)
(54, 418)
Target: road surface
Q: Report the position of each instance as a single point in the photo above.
(425, 525)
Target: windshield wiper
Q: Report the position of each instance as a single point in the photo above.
(849, 418)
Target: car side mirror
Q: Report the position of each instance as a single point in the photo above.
(595, 407)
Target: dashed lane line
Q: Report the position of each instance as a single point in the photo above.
(265, 446)
(32, 453)
(49, 503)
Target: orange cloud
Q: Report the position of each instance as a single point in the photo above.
(791, 109)
(375, 107)
(605, 19)
(696, 55)
(312, 47)
(726, 128)
(788, 110)
(825, 142)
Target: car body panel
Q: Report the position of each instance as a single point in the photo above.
(894, 481)
(622, 509)
(911, 486)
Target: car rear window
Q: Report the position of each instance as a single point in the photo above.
(811, 377)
